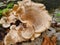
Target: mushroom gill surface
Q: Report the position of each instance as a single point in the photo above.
(35, 20)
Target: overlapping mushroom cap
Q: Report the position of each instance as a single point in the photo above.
(34, 17)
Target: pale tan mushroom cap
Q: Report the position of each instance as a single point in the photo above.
(37, 16)
(13, 36)
(27, 33)
(34, 16)
(4, 21)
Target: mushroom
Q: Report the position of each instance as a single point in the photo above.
(38, 17)
(5, 22)
(12, 37)
(12, 18)
(35, 17)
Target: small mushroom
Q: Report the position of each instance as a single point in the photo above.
(13, 27)
(4, 22)
(12, 18)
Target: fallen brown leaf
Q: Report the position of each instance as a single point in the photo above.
(53, 39)
(49, 41)
(1, 42)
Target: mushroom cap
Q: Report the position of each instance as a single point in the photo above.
(4, 21)
(13, 27)
(12, 18)
(6, 25)
(38, 17)
(12, 37)
(27, 33)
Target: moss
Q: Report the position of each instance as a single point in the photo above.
(10, 5)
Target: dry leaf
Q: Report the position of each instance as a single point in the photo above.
(54, 40)
(49, 41)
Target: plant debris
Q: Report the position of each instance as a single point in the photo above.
(49, 41)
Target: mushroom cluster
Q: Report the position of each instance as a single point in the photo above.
(34, 19)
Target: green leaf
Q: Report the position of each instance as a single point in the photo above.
(1, 16)
(58, 14)
(10, 5)
(1, 11)
(5, 10)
